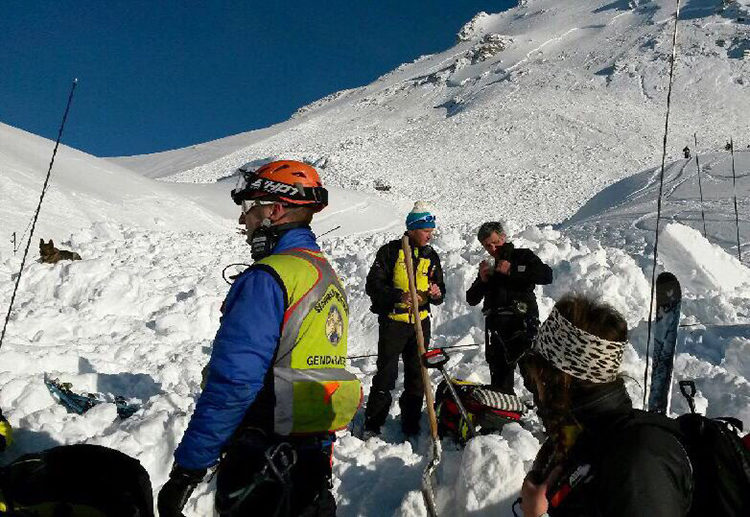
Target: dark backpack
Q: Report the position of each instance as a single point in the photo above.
(720, 461)
(73, 480)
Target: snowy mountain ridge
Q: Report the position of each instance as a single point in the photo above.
(548, 98)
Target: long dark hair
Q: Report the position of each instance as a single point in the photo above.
(594, 317)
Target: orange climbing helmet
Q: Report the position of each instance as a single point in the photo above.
(287, 181)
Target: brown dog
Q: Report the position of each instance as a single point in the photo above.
(50, 255)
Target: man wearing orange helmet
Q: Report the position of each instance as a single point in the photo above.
(276, 387)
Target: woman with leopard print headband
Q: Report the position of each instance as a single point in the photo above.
(595, 461)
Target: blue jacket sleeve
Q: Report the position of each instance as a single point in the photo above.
(242, 353)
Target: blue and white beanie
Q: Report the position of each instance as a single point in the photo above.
(420, 217)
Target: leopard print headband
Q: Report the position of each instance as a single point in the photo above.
(576, 352)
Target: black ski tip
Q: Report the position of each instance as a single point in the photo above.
(667, 288)
(666, 277)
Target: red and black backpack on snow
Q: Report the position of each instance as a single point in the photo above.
(488, 409)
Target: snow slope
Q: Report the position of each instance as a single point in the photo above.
(549, 100)
(83, 189)
(137, 315)
(624, 213)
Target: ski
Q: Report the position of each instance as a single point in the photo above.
(668, 300)
(80, 403)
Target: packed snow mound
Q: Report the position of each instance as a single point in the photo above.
(702, 267)
(490, 471)
(531, 113)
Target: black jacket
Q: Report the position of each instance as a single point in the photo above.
(625, 463)
(501, 291)
(379, 286)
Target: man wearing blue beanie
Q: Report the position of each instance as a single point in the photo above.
(388, 288)
(420, 217)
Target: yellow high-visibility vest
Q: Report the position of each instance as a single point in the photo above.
(313, 391)
(401, 311)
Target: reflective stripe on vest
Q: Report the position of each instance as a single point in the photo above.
(313, 391)
(401, 312)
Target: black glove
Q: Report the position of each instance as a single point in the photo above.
(175, 492)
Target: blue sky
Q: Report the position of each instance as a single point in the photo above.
(158, 75)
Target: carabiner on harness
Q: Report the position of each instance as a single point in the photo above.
(280, 459)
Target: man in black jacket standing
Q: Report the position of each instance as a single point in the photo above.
(506, 284)
(388, 288)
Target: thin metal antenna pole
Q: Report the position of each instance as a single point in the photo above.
(329, 231)
(658, 202)
(38, 208)
(700, 186)
(734, 193)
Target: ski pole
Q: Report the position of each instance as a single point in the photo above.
(38, 208)
(443, 347)
(709, 325)
(734, 192)
(700, 187)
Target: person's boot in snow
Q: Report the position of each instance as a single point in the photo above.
(376, 412)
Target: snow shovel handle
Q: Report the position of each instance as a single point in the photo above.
(430, 398)
(687, 388)
(428, 492)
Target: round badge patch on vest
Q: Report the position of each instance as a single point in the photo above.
(334, 325)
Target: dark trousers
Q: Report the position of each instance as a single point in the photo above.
(397, 339)
(507, 340)
(304, 489)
